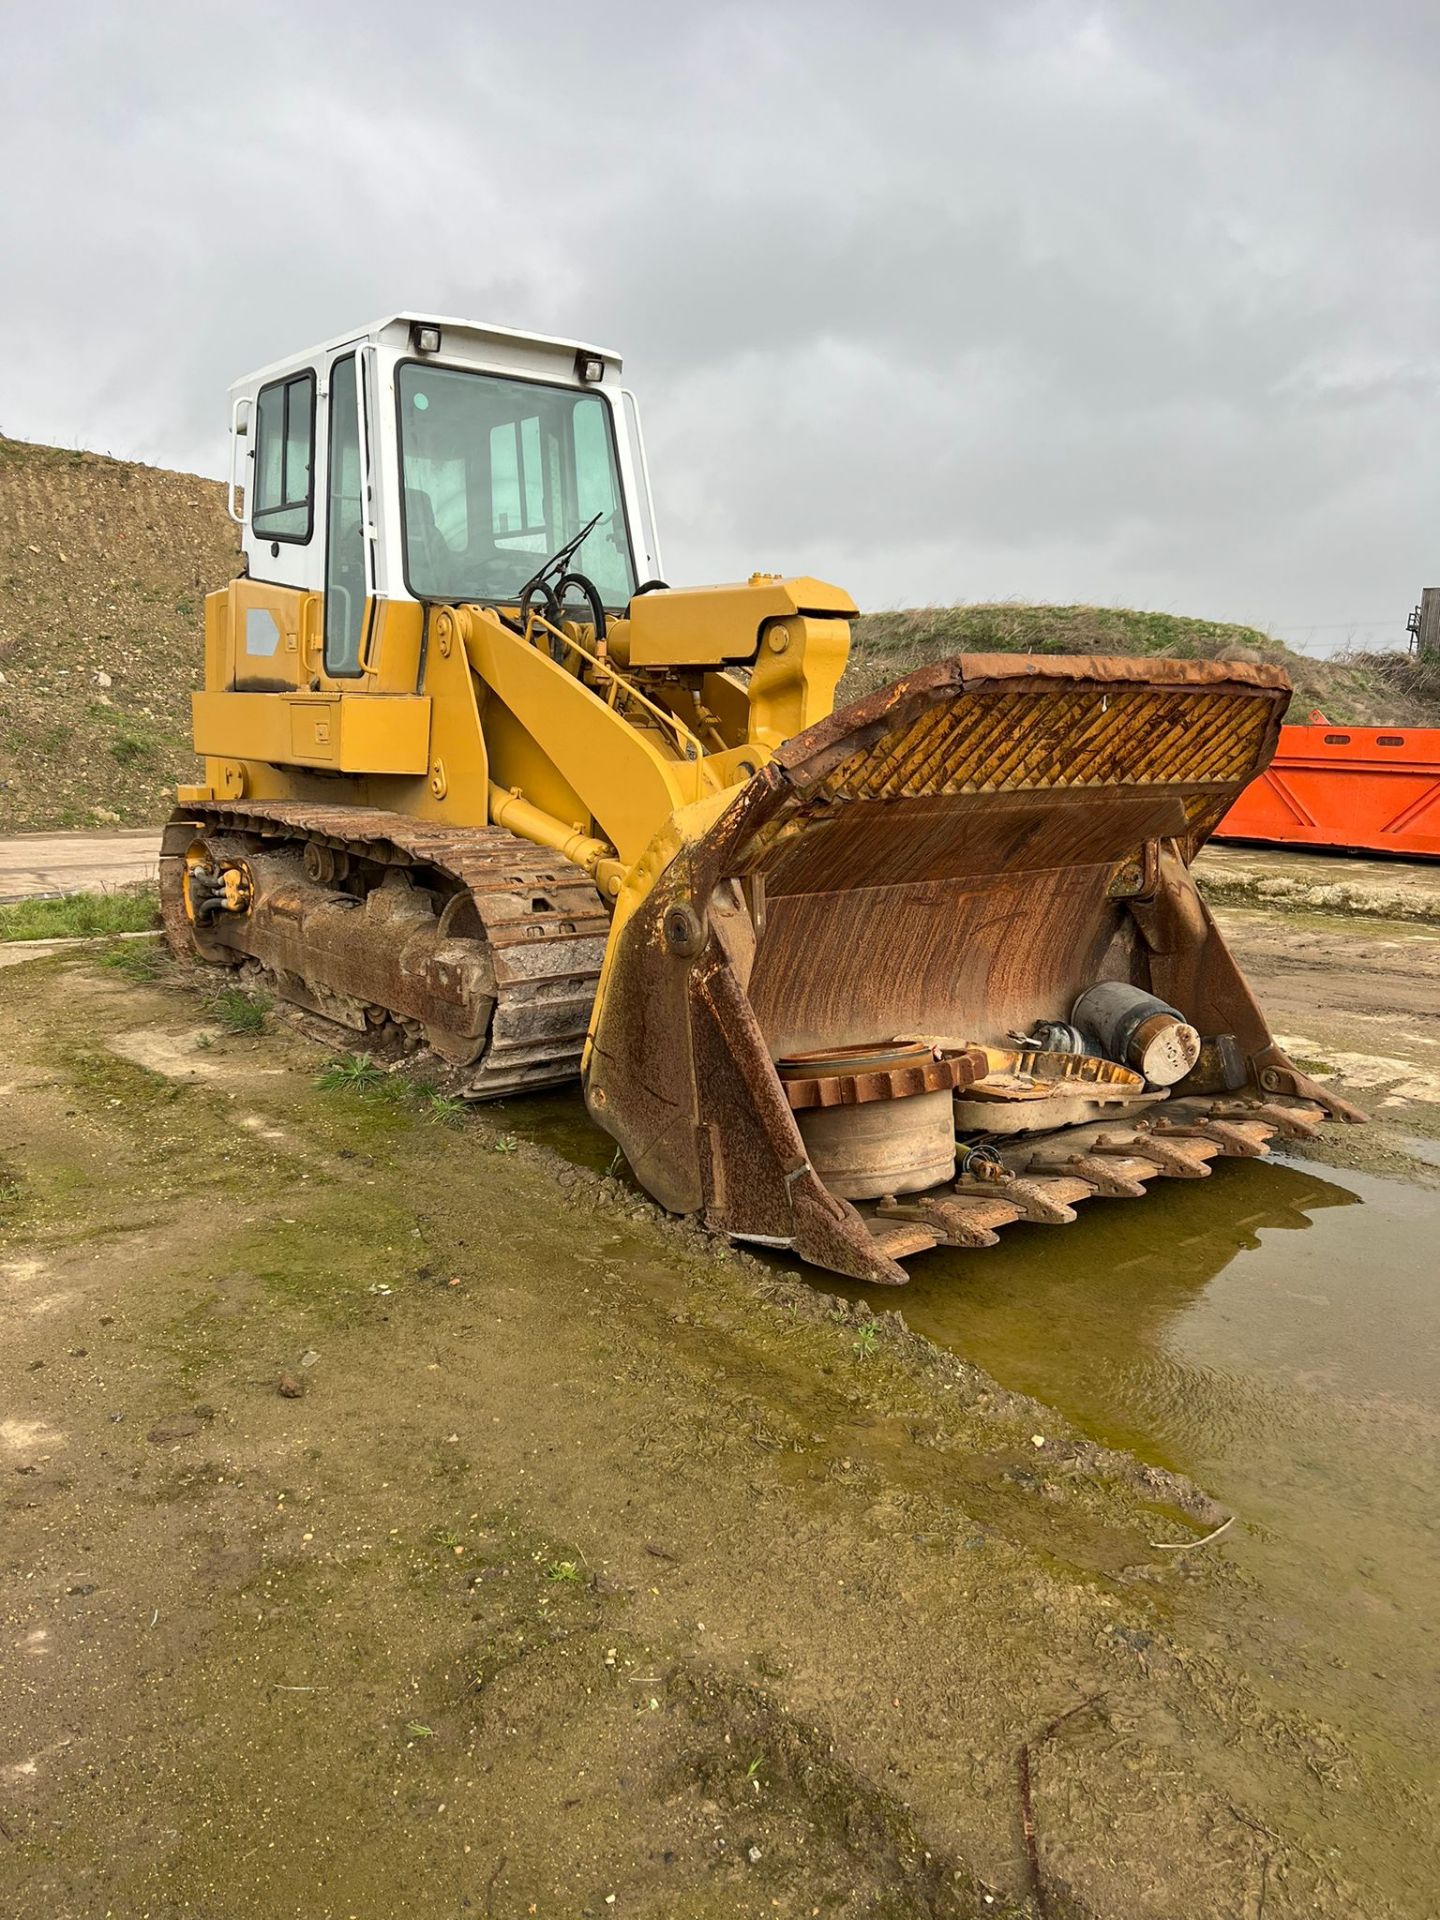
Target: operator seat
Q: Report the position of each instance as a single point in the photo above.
(429, 555)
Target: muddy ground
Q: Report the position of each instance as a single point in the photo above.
(399, 1519)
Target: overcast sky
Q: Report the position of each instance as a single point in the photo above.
(1131, 303)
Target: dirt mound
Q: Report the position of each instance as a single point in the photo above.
(104, 568)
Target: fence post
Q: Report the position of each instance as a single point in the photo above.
(1427, 631)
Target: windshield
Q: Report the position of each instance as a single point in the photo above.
(496, 474)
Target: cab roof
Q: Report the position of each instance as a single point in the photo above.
(394, 331)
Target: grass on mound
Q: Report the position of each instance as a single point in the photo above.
(886, 644)
(1408, 688)
(1355, 689)
(82, 915)
(1013, 627)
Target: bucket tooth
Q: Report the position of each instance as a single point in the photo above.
(1299, 1122)
(1065, 1190)
(899, 1239)
(955, 1220)
(1112, 1175)
(1044, 1200)
(962, 1215)
(1177, 1159)
(1236, 1139)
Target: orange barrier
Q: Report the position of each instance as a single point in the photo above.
(1365, 789)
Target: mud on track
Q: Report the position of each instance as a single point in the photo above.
(586, 1563)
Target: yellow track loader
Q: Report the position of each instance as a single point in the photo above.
(480, 786)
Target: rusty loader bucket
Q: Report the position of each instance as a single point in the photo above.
(797, 990)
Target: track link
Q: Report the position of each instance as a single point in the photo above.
(540, 920)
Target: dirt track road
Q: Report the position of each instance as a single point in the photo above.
(1355, 996)
(41, 865)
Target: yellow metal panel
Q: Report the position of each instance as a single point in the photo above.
(458, 783)
(217, 638)
(705, 626)
(375, 733)
(393, 652)
(795, 677)
(262, 638)
(273, 632)
(314, 732)
(384, 733)
(245, 725)
(519, 761)
(729, 700)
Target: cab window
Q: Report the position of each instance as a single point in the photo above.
(282, 504)
(498, 473)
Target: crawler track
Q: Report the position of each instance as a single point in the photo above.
(537, 933)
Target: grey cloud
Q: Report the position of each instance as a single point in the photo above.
(1051, 300)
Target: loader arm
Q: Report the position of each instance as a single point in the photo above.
(601, 759)
(560, 744)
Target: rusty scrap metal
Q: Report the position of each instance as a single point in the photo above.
(1180, 1159)
(1299, 1122)
(1043, 1199)
(901, 1239)
(846, 1080)
(1113, 1176)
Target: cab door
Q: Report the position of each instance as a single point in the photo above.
(280, 544)
(274, 607)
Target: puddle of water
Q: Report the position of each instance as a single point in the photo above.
(1273, 1334)
(1426, 1150)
